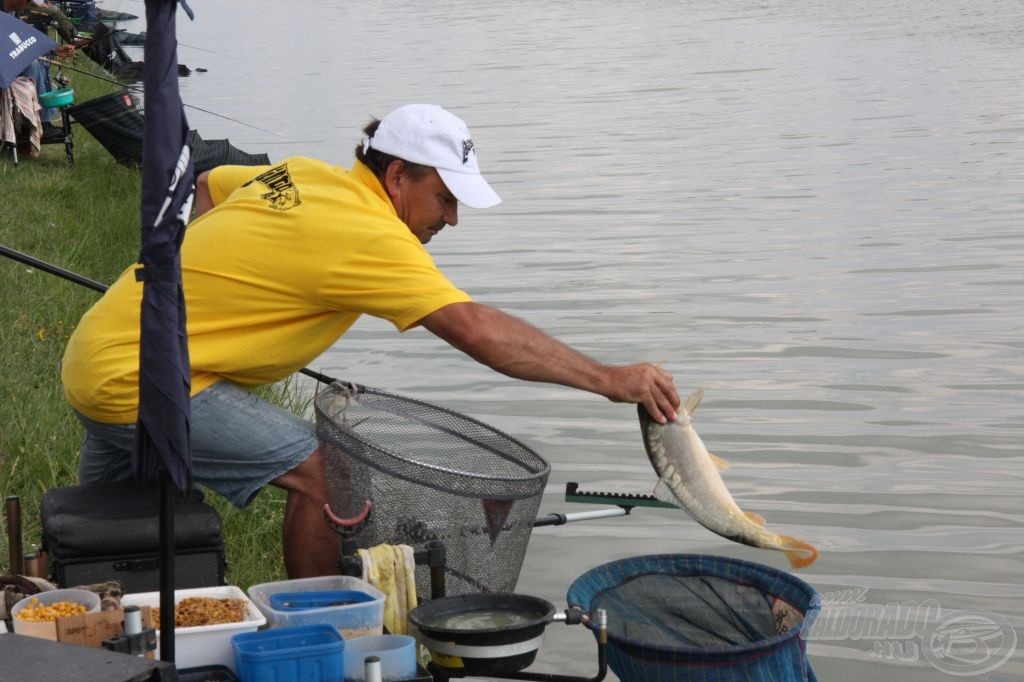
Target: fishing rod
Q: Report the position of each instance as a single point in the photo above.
(137, 89)
(52, 269)
(89, 41)
(201, 49)
(623, 503)
(34, 262)
(62, 65)
(234, 120)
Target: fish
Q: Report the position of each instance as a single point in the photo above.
(689, 478)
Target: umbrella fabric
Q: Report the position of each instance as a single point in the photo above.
(162, 436)
(162, 433)
(20, 45)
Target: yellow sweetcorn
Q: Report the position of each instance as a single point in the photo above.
(42, 613)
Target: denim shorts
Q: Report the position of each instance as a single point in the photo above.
(239, 443)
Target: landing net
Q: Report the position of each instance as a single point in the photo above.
(431, 474)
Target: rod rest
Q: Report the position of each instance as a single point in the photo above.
(433, 554)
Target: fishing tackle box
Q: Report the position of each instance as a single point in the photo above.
(111, 531)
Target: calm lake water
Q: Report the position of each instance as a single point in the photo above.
(811, 209)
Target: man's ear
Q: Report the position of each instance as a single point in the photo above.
(394, 178)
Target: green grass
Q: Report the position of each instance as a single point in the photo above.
(84, 218)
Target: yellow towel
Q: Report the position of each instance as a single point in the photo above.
(392, 570)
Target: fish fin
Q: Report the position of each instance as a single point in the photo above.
(755, 518)
(664, 493)
(719, 463)
(800, 554)
(693, 400)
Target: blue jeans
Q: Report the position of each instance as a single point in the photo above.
(39, 71)
(239, 443)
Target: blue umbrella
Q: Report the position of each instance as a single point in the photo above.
(20, 45)
(162, 433)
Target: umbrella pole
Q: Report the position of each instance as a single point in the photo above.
(167, 492)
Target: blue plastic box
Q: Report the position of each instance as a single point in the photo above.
(304, 653)
(352, 620)
(299, 601)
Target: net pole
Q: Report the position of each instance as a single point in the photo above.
(557, 519)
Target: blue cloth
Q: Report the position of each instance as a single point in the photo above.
(239, 443)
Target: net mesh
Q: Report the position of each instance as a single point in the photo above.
(431, 474)
(695, 611)
(676, 617)
(117, 123)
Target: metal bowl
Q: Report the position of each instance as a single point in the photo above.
(482, 634)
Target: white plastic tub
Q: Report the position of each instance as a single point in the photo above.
(204, 644)
(48, 629)
(352, 620)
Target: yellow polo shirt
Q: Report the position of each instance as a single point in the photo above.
(287, 260)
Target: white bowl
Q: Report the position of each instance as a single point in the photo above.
(48, 630)
(397, 655)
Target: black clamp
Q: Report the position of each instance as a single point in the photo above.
(135, 640)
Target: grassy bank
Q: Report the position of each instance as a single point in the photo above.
(84, 218)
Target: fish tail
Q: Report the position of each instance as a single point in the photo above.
(800, 554)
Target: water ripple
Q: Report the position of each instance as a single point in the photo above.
(810, 209)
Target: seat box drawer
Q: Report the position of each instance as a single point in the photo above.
(141, 572)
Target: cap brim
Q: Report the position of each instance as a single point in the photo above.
(469, 188)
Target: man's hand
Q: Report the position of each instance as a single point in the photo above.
(65, 51)
(648, 384)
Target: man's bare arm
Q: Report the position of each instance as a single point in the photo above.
(203, 201)
(513, 347)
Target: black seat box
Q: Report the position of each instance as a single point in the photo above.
(111, 531)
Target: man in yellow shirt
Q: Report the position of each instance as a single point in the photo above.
(278, 263)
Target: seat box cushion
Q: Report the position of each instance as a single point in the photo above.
(120, 519)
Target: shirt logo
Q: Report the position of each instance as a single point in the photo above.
(283, 194)
(467, 147)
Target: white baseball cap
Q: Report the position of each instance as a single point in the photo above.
(429, 135)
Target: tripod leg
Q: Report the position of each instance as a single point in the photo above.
(69, 140)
